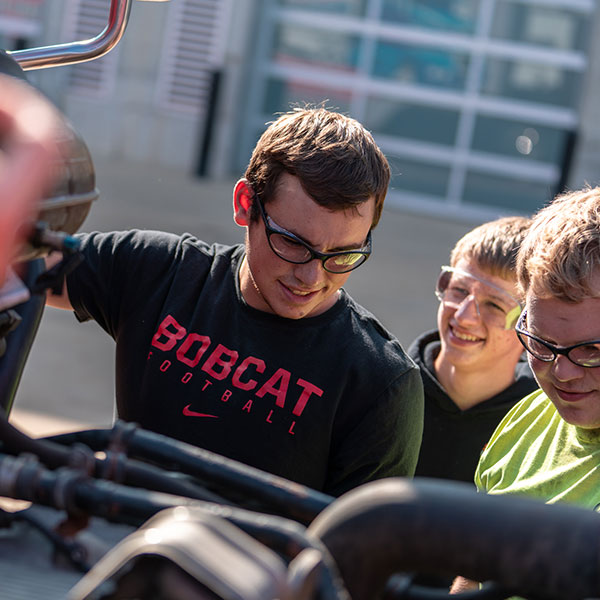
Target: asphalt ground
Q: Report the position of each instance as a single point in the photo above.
(68, 381)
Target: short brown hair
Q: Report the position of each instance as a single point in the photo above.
(493, 245)
(335, 158)
(560, 255)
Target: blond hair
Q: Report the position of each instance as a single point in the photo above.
(561, 253)
(493, 246)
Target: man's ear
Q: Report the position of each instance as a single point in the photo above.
(242, 202)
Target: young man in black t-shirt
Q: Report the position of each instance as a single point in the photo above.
(255, 351)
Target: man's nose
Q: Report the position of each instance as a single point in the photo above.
(468, 309)
(565, 370)
(309, 273)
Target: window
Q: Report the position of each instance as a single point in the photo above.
(418, 177)
(338, 7)
(283, 94)
(532, 82)
(296, 44)
(449, 15)
(420, 66)
(461, 95)
(511, 194)
(541, 25)
(519, 139)
(414, 121)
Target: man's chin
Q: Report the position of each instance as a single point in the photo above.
(287, 310)
(576, 415)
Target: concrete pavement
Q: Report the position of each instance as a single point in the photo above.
(69, 374)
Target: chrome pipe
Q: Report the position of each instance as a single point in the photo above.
(75, 52)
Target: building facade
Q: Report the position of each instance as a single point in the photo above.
(482, 106)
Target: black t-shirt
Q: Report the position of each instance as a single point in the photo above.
(330, 401)
(453, 438)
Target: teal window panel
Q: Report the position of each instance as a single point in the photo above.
(420, 66)
(519, 139)
(299, 45)
(413, 121)
(520, 196)
(416, 176)
(282, 95)
(447, 15)
(532, 82)
(545, 26)
(337, 7)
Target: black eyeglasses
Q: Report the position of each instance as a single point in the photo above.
(584, 354)
(294, 250)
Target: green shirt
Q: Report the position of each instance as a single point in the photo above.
(534, 452)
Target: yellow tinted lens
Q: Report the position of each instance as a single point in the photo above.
(344, 262)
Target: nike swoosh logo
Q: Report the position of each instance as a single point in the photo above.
(192, 413)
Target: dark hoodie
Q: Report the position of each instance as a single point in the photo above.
(453, 438)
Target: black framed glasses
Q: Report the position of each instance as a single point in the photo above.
(294, 250)
(584, 354)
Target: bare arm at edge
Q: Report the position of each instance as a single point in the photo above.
(57, 300)
(462, 584)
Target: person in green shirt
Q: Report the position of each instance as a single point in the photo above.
(548, 445)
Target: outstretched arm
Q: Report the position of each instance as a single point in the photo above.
(57, 300)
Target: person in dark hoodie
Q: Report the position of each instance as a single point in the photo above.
(473, 367)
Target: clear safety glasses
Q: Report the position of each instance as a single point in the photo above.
(494, 305)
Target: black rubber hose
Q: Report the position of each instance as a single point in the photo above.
(284, 497)
(286, 537)
(68, 548)
(14, 441)
(112, 466)
(96, 439)
(26, 479)
(447, 528)
(288, 498)
(138, 474)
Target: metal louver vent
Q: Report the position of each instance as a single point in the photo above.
(192, 52)
(85, 19)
